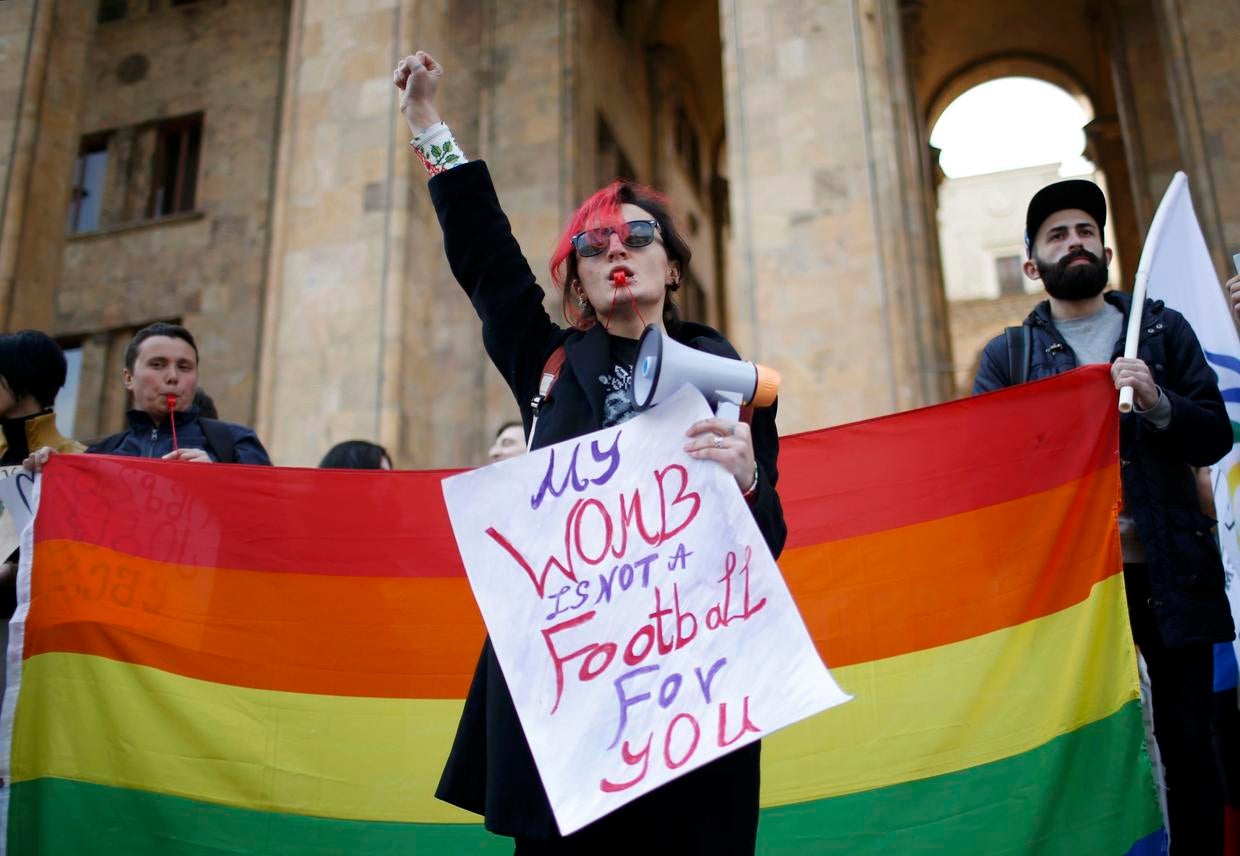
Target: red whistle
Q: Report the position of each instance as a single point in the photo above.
(619, 279)
(172, 406)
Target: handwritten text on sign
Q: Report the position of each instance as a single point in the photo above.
(16, 507)
(636, 611)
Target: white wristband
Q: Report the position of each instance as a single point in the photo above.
(438, 149)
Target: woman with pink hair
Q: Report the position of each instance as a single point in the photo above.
(616, 265)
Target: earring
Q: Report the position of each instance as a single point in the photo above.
(582, 303)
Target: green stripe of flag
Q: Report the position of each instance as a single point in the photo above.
(59, 817)
(1085, 792)
(1088, 791)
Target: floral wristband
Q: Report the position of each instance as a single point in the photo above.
(438, 149)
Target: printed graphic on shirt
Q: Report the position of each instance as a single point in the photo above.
(618, 401)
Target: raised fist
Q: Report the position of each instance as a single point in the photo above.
(417, 77)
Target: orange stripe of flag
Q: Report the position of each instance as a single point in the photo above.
(311, 633)
(934, 583)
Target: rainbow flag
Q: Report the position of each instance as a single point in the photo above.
(254, 661)
(959, 568)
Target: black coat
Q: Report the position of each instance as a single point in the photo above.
(1187, 595)
(490, 769)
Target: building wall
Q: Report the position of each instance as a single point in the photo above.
(311, 267)
(206, 267)
(332, 306)
(638, 77)
(831, 282)
(511, 102)
(1144, 105)
(54, 86)
(981, 219)
(1203, 72)
(24, 43)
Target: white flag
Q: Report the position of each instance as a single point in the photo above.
(1182, 275)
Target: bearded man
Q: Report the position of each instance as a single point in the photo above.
(1173, 574)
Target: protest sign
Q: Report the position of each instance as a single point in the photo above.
(639, 618)
(16, 499)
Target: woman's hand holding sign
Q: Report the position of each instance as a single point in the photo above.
(730, 443)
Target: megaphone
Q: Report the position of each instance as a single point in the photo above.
(663, 365)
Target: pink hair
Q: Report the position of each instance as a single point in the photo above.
(603, 208)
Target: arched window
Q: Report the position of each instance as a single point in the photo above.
(999, 142)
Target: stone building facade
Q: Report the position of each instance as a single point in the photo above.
(239, 165)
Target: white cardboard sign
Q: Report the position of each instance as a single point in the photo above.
(16, 507)
(642, 625)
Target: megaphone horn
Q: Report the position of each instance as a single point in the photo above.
(663, 365)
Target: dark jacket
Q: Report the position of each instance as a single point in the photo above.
(145, 439)
(1185, 570)
(490, 769)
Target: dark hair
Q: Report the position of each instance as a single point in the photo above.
(159, 328)
(604, 208)
(205, 404)
(31, 363)
(355, 455)
(511, 423)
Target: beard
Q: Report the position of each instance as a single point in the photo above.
(1078, 282)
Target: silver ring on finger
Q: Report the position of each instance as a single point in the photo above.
(718, 441)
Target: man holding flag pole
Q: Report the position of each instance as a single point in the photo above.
(1174, 419)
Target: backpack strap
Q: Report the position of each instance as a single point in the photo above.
(1018, 346)
(220, 439)
(551, 373)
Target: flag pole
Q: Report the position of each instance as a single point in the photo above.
(1178, 182)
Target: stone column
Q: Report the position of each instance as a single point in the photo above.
(43, 84)
(24, 36)
(332, 306)
(508, 96)
(367, 334)
(1106, 149)
(834, 283)
(1203, 74)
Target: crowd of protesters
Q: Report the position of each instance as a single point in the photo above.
(623, 238)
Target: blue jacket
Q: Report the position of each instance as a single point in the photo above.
(145, 439)
(1186, 572)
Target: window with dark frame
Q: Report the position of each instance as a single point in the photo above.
(111, 10)
(89, 173)
(178, 147)
(612, 162)
(67, 397)
(618, 14)
(685, 138)
(1011, 277)
(691, 298)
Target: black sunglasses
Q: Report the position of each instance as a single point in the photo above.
(635, 233)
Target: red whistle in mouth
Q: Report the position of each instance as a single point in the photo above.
(620, 279)
(172, 406)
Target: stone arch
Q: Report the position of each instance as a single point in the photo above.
(976, 316)
(1008, 64)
